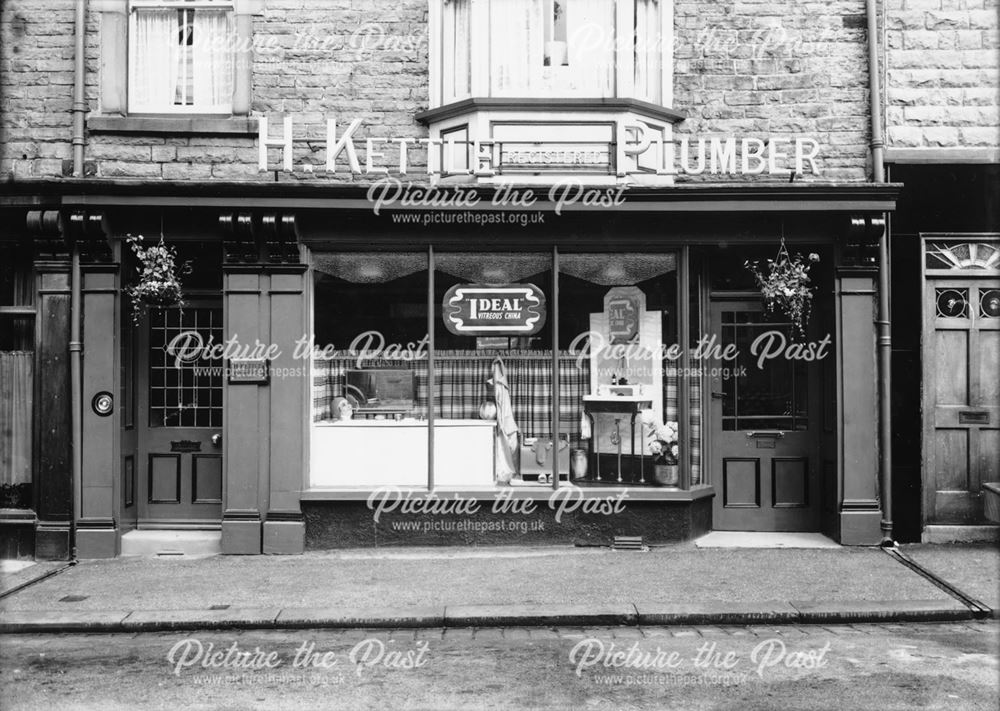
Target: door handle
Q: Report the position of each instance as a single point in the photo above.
(765, 435)
(216, 440)
(719, 396)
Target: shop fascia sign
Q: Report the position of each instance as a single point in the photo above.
(487, 310)
(654, 148)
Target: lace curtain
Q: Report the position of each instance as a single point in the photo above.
(213, 61)
(457, 68)
(156, 56)
(648, 69)
(516, 49)
(591, 40)
(15, 416)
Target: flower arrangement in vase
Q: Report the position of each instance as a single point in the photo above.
(159, 284)
(785, 285)
(666, 453)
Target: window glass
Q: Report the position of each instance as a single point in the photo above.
(181, 59)
(544, 46)
(773, 397)
(493, 366)
(456, 50)
(17, 358)
(648, 50)
(370, 370)
(559, 48)
(618, 321)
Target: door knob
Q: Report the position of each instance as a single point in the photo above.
(216, 440)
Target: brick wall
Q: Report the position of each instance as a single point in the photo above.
(942, 73)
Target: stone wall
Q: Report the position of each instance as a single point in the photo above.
(36, 87)
(745, 67)
(756, 68)
(943, 83)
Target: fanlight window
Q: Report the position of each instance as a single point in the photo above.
(962, 255)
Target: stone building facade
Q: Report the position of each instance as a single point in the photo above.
(709, 134)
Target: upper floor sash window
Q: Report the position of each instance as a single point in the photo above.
(181, 57)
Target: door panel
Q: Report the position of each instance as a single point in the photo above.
(179, 420)
(765, 448)
(962, 396)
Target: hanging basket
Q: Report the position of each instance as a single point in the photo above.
(159, 283)
(785, 285)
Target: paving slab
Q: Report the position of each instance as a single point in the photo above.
(973, 569)
(560, 576)
(17, 573)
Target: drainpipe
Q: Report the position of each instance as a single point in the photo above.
(79, 87)
(884, 324)
(75, 345)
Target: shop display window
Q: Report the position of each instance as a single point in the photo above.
(517, 377)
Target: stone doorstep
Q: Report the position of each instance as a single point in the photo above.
(857, 611)
(171, 543)
(960, 534)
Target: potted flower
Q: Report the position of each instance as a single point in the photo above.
(665, 451)
(784, 285)
(159, 283)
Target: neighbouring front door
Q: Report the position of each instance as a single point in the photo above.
(764, 438)
(961, 354)
(180, 420)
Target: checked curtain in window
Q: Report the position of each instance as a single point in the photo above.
(461, 387)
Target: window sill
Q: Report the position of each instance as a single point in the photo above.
(535, 493)
(203, 125)
(464, 106)
(17, 516)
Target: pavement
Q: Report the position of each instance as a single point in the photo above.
(680, 584)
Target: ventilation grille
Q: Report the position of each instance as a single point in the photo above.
(628, 543)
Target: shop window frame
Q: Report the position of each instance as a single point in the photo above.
(686, 491)
(29, 311)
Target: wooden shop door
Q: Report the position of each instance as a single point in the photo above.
(179, 421)
(764, 429)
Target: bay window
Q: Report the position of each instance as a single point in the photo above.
(550, 48)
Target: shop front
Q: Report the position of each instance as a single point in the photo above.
(566, 368)
(333, 379)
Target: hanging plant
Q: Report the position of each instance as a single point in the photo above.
(784, 285)
(159, 284)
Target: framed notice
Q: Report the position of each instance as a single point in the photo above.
(252, 371)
